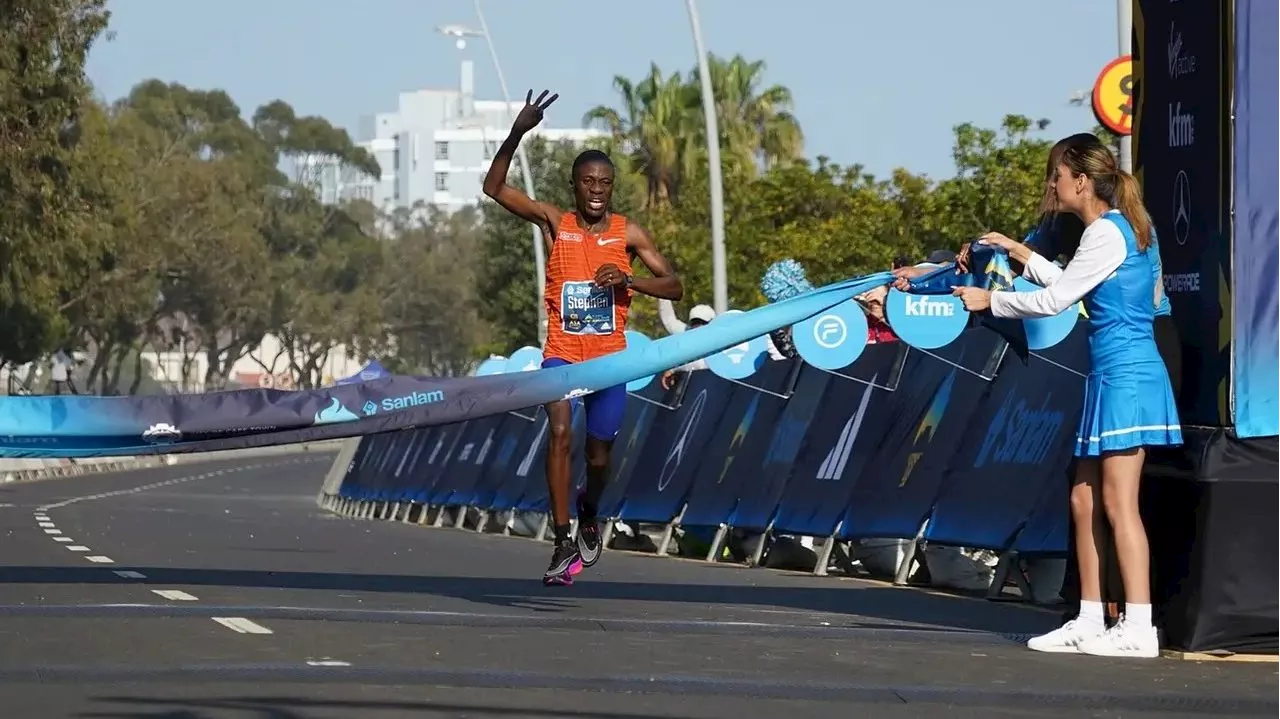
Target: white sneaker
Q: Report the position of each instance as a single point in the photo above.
(1066, 638)
(1124, 640)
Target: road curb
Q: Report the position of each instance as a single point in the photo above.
(72, 468)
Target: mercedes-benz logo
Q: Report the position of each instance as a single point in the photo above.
(1181, 207)
(687, 427)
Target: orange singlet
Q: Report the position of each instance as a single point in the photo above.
(585, 321)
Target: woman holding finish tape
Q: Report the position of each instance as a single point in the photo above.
(1128, 402)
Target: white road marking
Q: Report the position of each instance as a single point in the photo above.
(176, 595)
(53, 531)
(78, 548)
(130, 574)
(327, 663)
(99, 559)
(241, 625)
(63, 539)
(46, 524)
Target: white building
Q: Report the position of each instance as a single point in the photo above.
(435, 148)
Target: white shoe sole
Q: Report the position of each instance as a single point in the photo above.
(1121, 654)
(1054, 649)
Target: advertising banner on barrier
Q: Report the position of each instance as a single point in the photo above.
(987, 457)
(674, 451)
(1018, 441)
(767, 472)
(516, 431)
(1182, 156)
(848, 426)
(736, 450)
(934, 408)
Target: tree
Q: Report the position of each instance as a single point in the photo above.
(661, 120)
(431, 304)
(46, 194)
(999, 180)
(208, 177)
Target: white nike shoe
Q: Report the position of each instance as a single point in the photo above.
(1066, 638)
(1125, 639)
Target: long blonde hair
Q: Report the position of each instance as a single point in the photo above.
(1112, 185)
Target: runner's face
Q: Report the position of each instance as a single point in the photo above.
(593, 189)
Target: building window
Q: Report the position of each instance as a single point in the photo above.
(395, 160)
(442, 182)
(442, 150)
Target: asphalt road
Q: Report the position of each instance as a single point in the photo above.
(222, 590)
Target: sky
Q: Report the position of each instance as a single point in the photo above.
(881, 84)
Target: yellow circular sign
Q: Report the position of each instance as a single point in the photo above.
(1113, 96)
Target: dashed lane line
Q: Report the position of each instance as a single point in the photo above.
(242, 625)
(175, 595)
(235, 624)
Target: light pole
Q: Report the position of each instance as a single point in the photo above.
(1124, 30)
(539, 248)
(720, 282)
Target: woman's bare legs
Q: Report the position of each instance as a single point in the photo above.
(1135, 635)
(1091, 533)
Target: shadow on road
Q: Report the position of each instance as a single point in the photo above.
(844, 598)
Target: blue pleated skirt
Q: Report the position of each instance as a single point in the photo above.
(1128, 406)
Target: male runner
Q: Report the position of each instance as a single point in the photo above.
(588, 295)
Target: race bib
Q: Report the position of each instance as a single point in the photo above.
(586, 309)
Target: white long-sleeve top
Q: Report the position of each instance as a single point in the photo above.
(1102, 251)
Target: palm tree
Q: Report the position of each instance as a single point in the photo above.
(756, 125)
(660, 121)
(655, 125)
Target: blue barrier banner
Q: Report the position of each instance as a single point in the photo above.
(400, 448)
(1256, 252)
(350, 488)
(534, 496)
(513, 434)
(527, 464)
(674, 451)
(934, 406)
(767, 476)
(469, 465)
(1048, 529)
(1019, 440)
(848, 426)
(432, 467)
(736, 450)
(643, 408)
(414, 468)
(379, 483)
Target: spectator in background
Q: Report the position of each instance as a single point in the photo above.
(698, 316)
(62, 366)
(786, 279)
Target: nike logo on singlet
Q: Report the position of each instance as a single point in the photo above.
(602, 241)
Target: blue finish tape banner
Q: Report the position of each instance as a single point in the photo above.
(62, 426)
